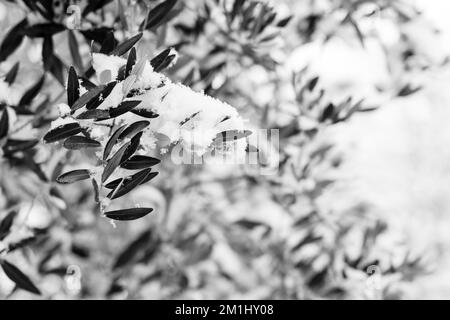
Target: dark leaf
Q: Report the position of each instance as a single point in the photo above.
(80, 142)
(283, 22)
(96, 191)
(327, 112)
(114, 162)
(162, 60)
(139, 162)
(112, 141)
(157, 15)
(122, 108)
(43, 30)
(12, 40)
(94, 103)
(126, 45)
(129, 184)
(31, 93)
(145, 113)
(18, 277)
(130, 62)
(134, 145)
(237, 5)
(73, 176)
(115, 183)
(4, 124)
(62, 132)
(134, 128)
(408, 90)
(73, 87)
(87, 97)
(96, 34)
(12, 74)
(5, 225)
(108, 44)
(128, 214)
(13, 145)
(96, 114)
(134, 250)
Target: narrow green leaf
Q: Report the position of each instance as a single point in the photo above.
(6, 224)
(10, 77)
(87, 97)
(112, 141)
(123, 47)
(73, 176)
(62, 132)
(114, 162)
(130, 184)
(18, 277)
(80, 142)
(134, 128)
(32, 92)
(73, 87)
(123, 107)
(139, 162)
(4, 124)
(128, 214)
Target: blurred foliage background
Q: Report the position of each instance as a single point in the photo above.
(357, 208)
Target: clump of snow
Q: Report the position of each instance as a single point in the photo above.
(190, 118)
(64, 110)
(104, 64)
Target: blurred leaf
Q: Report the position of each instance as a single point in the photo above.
(156, 15)
(62, 132)
(128, 214)
(18, 277)
(10, 77)
(4, 124)
(13, 145)
(408, 90)
(74, 50)
(73, 176)
(41, 30)
(32, 92)
(12, 40)
(134, 250)
(51, 62)
(96, 191)
(122, 16)
(80, 142)
(283, 22)
(6, 224)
